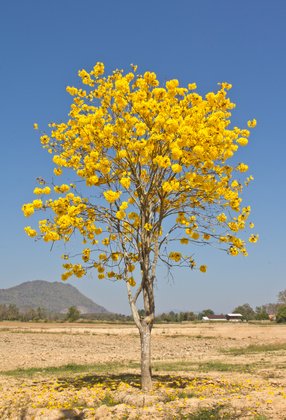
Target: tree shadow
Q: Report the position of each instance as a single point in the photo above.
(70, 415)
(114, 380)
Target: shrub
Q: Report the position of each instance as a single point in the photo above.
(281, 314)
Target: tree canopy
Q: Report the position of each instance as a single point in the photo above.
(246, 311)
(152, 174)
(281, 314)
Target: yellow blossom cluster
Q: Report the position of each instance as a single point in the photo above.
(146, 153)
(175, 256)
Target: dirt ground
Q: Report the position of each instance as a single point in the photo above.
(251, 381)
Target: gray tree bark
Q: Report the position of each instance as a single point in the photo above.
(146, 371)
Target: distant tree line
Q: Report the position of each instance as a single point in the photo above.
(13, 313)
(278, 310)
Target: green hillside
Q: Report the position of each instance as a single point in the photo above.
(54, 297)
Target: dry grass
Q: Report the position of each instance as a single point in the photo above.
(201, 371)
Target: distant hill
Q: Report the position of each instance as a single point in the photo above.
(54, 297)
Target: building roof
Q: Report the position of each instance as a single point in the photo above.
(216, 316)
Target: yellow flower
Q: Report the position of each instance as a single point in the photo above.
(120, 214)
(35, 126)
(252, 123)
(233, 251)
(92, 180)
(167, 187)
(125, 182)
(203, 268)
(195, 235)
(100, 269)
(111, 196)
(151, 78)
(199, 150)
(37, 190)
(51, 236)
(122, 154)
(37, 204)
(140, 129)
(86, 254)
(98, 69)
(253, 238)
(176, 153)
(242, 141)
(115, 256)
(61, 188)
(30, 232)
(58, 171)
(44, 139)
(176, 168)
(45, 190)
(66, 275)
(242, 167)
(148, 226)
(221, 218)
(172, 84)
(235, 184)
(131, 267)
(162, 161)
(123, 205)
(192, 86)
(28, 209)
(233, 226)
(71, 90)
(132, 282)
(175, 256)
(226, 85)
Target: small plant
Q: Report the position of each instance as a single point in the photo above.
(108, 400)
(177, 366)
(185, 394)
(224, 367)
(213, 413)
(256, 348)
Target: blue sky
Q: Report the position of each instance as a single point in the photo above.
(44, 44)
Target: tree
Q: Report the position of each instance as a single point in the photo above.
(246, 311)
(261, 313)
(73, 314)
(12, 313)
(282, 297)
(205, 312)
(281, 314)
(151, 176)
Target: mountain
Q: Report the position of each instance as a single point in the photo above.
(54, 297)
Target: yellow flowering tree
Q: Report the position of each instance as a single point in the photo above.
(152, 178)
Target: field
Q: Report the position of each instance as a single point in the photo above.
(91, 371)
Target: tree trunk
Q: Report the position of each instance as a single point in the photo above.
(145, 340)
